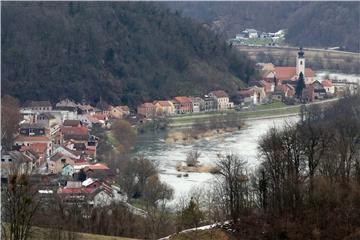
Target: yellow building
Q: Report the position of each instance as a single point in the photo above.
(119, 111)
(164, 107)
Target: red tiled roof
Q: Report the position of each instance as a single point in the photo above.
(76, 190)
(327, 83)
(163, 103)
(97, 166)
(147, 105)
(99, 116)
(72, 123)
(246, 92)
(38, 147)
(22, 138)
(182, 99)
(220, 93)
(75, 131)
(287, 73)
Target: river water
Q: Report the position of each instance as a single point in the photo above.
(243, 142)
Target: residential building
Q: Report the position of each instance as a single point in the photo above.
(146, 109)
(67, 105)
(328, 86)
(164, 107)
(38, 106)
(79, 134)
(198, 104)
(22, 140)
(32, 129)
(209, 104)
(182, 105)
(68, 170)
(251, 95)
(319, 90)
(72, 123)
(221, 99)
(58, 161)
(119, 111)
(14, 162)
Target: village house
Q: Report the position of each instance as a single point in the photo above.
(119, 111)
(251, 95)
(182, 105)
(68, 170)
(308, 94)
(164, 107)
(319, 90)
(36, 150)
(222, 99)
(209, 104)
(79, 134)
(84, 109)
(146, 110)
(32, 129)
(15, 161)
(67, 105)
(98, 170)
(329, 87)
(38, 106)
(68, 152)
(198, 104)
(57, 162)
(72, 123)
(285, 90)
(22, 140)
(268, 86)
(46, 119)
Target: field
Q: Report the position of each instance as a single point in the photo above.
(318, 59)
(209, 234)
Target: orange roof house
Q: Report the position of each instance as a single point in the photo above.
(182, 104)
(146, 109)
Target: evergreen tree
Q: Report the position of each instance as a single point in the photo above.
(300, 85)
(82, 175)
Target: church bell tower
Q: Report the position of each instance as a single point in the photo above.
(300, 62)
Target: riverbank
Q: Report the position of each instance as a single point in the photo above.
(188, 120)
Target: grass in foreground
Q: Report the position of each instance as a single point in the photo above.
(38, 233)
(209, 234)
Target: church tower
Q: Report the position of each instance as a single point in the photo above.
(300, 62)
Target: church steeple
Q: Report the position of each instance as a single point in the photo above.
(300, 62)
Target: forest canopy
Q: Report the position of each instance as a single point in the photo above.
(122, 52)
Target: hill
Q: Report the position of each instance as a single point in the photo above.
(122, 52)
(311, 24)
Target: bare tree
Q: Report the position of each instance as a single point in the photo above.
(234, 184)
(10, 117)
(192, 158)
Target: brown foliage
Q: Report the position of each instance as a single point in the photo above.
(10, 117)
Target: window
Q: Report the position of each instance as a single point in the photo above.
(300, 62)
(3, 160)
(10, 160)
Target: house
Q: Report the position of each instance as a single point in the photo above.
(72, 123)
(38, 106)
(22, 140)
(46, 119)
(97, 170)
(13, 162)
(328, 86)
(251, 95)
(319, 90)
(221, 99)
(32, 129)
(37, 151)
(308, 94)
(119, 111)
(68, 152)
(84, 109)
(68, 170)
(209, 104)
(57, 162)
(182, 105)
(268, 86)
(67, 105)
(287, 90)
(252, 33)
(79, 134)
(198, 104)
(164, 107)
(146, 110)
(91, 183)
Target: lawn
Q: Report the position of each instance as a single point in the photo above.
(275, 104)
(209, 234)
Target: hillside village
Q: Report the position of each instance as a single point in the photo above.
(253, 37)
(56, 145)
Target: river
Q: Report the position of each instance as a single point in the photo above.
(243, 142)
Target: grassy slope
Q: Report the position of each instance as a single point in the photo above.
(43, 234)
(210, 234)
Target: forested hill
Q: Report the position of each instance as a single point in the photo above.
(122, 52)
(312, 24)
